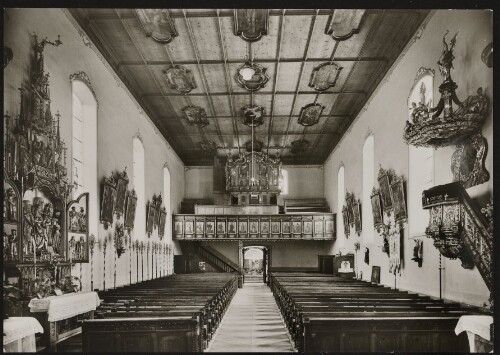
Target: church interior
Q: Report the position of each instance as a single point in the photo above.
(247, 180)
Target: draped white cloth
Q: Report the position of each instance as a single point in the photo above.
(66, 306)
(16, 328)
(479, 325)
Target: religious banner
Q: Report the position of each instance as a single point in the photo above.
(394, 247)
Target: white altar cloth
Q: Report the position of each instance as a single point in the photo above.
(65, 306)
(22, 331)
(474, 325)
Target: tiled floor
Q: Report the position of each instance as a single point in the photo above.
(252, 323)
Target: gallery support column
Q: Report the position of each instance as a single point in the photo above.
(240, 264)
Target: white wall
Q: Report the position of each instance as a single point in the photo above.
(385, 115)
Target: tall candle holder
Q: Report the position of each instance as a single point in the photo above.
(92, 243)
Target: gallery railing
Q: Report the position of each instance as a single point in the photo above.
(317, 226)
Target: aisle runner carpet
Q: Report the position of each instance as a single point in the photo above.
(252, 323)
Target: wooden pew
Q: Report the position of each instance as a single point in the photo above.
(177, 313)
(328, 314)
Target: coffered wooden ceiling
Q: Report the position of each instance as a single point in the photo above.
(206, 44)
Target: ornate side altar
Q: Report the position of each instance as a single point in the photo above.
(44, 232)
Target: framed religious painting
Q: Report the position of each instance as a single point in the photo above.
(150, 218)
(242, 227)
(210, 228)
(318, 228)
(375, 274)
(329, 226)
(108, 201)
(345, 219)
(349, 199)
(275, 228)
(121, 192)
(399, 200)
(130, 208)
(253, 228)
(308, 227)
(12, 234)
(297, 227)
(77, 226)
(178, 227)
(200, 226)
(378, 216)
(232, 228)
(286, 228)
(264, 227)
(162, 221)
(189, 229)
(221, 227)
(385, 189)
(356, 209)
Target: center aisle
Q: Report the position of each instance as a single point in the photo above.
(252, 323)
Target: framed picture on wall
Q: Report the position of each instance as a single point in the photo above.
(121, 192)
(108, 201)
(375, 274)
(151, 215)
(130, 208)
(349, 199)
(378, 216)
(398, 196)
(356, 209)
(161, 226)
(77, 225)
(345, 218)
(385, 189)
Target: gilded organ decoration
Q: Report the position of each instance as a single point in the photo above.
(264, 170)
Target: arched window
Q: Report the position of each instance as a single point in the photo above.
(84, 152)
(368, 179)
(284, 182)
(421, 177)
(84, 143)
(166, 201)
(139, 187)
(420, 160)
(340, 204)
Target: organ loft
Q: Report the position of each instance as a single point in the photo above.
(247, 180)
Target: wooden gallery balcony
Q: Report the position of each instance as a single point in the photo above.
(317, 226)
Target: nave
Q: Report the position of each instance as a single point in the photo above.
(252, 323)
(190, 180)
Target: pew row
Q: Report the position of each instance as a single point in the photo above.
(177, 313)
(324, 313)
